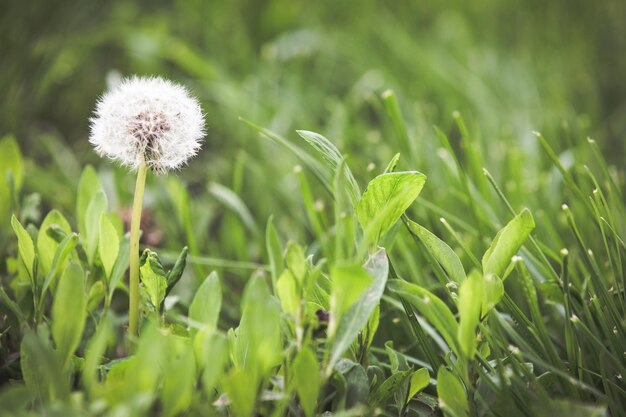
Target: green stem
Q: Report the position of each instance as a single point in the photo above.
(133, 309)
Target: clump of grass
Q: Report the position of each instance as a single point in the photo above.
(495, 286)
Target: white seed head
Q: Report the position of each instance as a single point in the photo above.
(148, 119)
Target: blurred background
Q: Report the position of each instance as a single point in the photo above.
(508, 67)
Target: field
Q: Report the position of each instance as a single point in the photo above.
(399, 208)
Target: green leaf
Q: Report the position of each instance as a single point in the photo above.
(25, 246)
(507, 243)
(109, 244)
(176, 273)
(348, 284)
(351, 384)
(287, 292)
(274, 251)
(357, 316)
(241, 392)
(259, 335)
(206, 304)
(153, 278)
(88, 186)
(452, 396)
(121, 265)
(419, 380)
(214, 358)
(61, 256)
(391, 166)
(97, 206)
(41, 371)
(333, 158)
(94, 353)
(296, 262)
(493, 290)
(470, 302)
(12, 306)
(46, 245)
(388, 388)
(179, 376)
(11, 175)
(431, 307)
(385, 200)
(446, 257)
(69, 312)
(307, 380)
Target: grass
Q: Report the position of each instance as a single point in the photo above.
(500, 288)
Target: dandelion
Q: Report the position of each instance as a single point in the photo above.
(148, 121)
(146, 124)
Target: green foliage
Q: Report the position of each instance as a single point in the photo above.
(69, 312)
(385, 199)
(357, 316)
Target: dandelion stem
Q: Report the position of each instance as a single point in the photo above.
(133, 309)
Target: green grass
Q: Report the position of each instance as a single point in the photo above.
(501, 286)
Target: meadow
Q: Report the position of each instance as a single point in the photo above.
(398, 209)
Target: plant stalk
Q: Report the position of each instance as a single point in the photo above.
(135, 226)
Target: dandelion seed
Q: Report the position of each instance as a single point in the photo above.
(148, 120)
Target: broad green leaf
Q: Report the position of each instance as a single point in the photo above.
(206, 304)
(389, 387)
(14, 398)
(96, 295)
(287, 292)
(419, 380)
(307, 380)
(296, 262)
(492, 292)
(452, 396)
(470, 302)
(507, 243)
(351, 383)
(214, 358)
(153, 278)
(11, 175)
(97, 206)
(138, 376)
(46, 245)
(385, 200)
(348, 284)
(25, 246)
(179, 372)
(241, 392)
(69, 312)
(431, 307)
(446, 257)
(357, 316)
(259, 330)
(109, 244)
(41, 370)
(88, 186)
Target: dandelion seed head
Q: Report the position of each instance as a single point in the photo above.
(148, 119)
